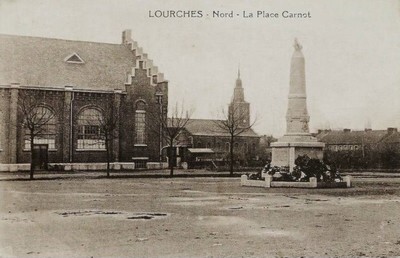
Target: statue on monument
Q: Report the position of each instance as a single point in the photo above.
(296, 45)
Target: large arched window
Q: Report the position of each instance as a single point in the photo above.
(44, 121)
(140, 122)
(90, 134)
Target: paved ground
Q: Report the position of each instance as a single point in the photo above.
(196, 217)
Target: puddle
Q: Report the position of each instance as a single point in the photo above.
(236, 208)
(87, 213)
(115, 214)
(147, 216)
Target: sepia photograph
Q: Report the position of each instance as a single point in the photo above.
(214, 128)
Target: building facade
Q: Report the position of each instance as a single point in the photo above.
(74, 86)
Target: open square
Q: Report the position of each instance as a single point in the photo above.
(196, 217)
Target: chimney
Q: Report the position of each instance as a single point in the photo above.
(391, 130)
(346, 130)
(126, 37)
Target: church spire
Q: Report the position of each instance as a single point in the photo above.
(239, 106)
(238, 94)
(238, 80)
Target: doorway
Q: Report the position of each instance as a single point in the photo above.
(40, 156)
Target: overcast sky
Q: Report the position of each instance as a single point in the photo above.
(352, 52)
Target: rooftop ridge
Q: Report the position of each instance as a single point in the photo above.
(59, 39)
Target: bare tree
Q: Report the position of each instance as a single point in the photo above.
(34, 118)
(108, 123)
(233, 125)
(171, 129)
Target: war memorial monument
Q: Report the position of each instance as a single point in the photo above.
(297, 140)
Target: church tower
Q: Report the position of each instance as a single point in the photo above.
(239, 108)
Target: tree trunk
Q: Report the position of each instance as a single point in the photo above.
(32, 137)
(231, 157)
(171, 161)
(108, 157)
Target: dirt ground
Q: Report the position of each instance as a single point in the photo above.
(196, 217)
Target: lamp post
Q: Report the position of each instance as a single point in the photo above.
(159, 96)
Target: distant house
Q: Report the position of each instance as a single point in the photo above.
(347, 140)
(368, 148)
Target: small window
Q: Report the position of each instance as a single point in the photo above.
(227, 146)
(246, 147)
(74, 58)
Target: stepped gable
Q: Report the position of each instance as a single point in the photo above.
(152, 71)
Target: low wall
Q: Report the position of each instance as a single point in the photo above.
(253, 183)
(268, 182)
(157, 165)
(70, 166)
(91, 166)
(15, 167)
(82, 166)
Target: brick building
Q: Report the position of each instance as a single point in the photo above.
(76, 83)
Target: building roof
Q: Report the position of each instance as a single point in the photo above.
(209, 127)
(43, 62)
(392, 138)
(351, 137)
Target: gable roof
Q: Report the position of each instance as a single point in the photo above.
(352, 137)
(41, 62)
(392, 138)
(209, 127)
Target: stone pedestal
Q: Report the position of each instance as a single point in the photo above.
(285, 153)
